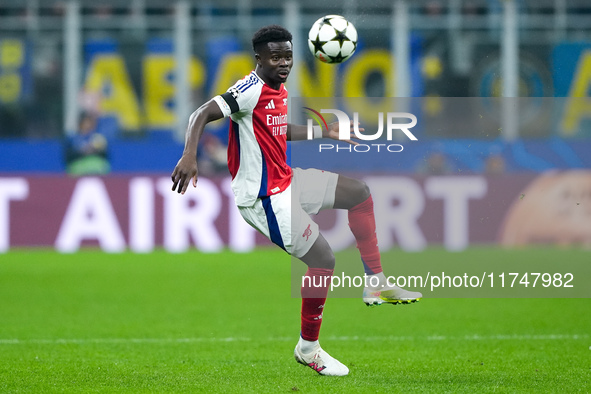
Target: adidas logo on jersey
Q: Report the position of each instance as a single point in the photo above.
(271, 105)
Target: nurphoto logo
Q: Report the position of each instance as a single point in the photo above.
(392, 124)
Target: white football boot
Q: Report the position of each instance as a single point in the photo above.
(320, 361)
(390, 294)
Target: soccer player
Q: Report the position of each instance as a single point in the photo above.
(278, 200)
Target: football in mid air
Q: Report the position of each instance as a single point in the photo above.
(332, 39)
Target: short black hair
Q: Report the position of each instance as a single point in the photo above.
(271, 33)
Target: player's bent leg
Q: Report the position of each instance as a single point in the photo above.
(355, 196)
(320, 260)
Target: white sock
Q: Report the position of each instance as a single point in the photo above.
(307, 346)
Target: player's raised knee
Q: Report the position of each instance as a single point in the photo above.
(359, 192)
(363, 191)
(350, 192)
(320, 255)
(326, 259)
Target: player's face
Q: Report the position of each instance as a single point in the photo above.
(274, 62)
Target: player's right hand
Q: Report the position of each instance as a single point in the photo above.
(185, 170)
(334, 133)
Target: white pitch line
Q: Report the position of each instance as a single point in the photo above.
(472, 337)
(60, 341)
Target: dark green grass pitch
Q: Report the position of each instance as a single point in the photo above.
(92, 322)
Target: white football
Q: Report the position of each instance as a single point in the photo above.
(332, 39)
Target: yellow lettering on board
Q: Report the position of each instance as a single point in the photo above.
(12, 56)
(10, 87)
(233, 67)
(12, 53)
(578, 105)
(355, 81)
(108, 77)
(159, 88)
(321, 84)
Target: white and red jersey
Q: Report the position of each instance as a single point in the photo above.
(258, 139)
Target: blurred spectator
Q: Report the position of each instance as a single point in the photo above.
(213, 155)
(58, 8)
(435, 164)
(470, 8)
(86, 152)
(12, 120)
(103, 11)
(433, 8)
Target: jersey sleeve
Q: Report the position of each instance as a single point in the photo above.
(241, 97)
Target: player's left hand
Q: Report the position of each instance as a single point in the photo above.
(333, 132)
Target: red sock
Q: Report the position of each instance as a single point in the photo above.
(362, 222)
(314, 291)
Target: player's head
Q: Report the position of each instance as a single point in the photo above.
(272, 33)
(274, 54)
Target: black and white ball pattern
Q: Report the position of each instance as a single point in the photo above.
(332, 39)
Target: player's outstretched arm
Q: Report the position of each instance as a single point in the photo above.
(186, 168)
(299, 132)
